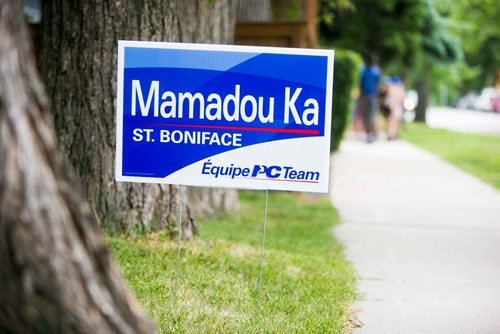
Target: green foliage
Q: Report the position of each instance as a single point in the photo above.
(438, 41)
(328, 7)
(477, 154)
(487, 58)
(457, 77)
(391, 28)
(479, 28)
(410, 36)
(447, 43)
(346, 77)
(307, 284)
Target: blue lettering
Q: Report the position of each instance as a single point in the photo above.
(275, 174)
(206, 167)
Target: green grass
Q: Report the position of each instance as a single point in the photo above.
(477, 154)
(307, 284)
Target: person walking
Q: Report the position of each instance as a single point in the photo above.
(370, 78)
(392, 95)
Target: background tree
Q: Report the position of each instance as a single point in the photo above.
(56, 275)
(78, 63)
(389, 28)
(477, 23)
(410, 37)
(439, 46)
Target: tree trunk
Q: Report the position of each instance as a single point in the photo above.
(254, 11)
(211, 201)
(56, 275)
(423, 100)
(78, 62)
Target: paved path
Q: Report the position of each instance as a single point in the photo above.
(423, 236)
(464, 120)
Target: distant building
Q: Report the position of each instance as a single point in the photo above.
(293, 25)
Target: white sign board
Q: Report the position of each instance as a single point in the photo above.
(224, 116)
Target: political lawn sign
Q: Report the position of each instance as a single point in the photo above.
(224, 116)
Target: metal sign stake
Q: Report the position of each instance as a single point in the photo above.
(179, 227)
(262, 250)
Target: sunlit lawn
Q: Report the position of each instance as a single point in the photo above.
(307, 284)
(477, 154)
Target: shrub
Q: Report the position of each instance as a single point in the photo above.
(345, 79)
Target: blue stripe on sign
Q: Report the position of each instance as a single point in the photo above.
(174, 58)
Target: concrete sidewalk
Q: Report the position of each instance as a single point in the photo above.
(423, 236)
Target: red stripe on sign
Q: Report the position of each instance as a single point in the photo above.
(240, 128)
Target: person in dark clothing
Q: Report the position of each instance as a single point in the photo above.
(370, 78)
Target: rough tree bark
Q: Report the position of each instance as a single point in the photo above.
(56, 275)
(78, 63)
(254, 11)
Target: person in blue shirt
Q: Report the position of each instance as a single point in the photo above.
(369, 81)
